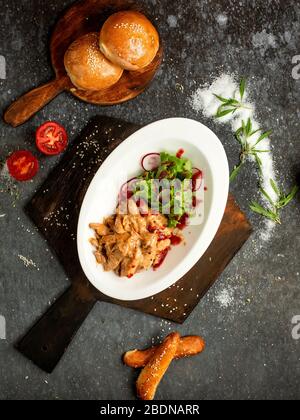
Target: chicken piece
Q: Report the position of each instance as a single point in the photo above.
(149, 250)
(113, 239)
(149, 255)
(100, 229)
(137, 224)
(134, 223)
(110, 223)
(119, 225)
(130, 266)
(157, 221)
(134, 242)
(114, 258)
(127, 223)
(124, 247)
(142, 225)
(94, 243)
(149, 240)
(162, 245)
(167, 232)
(100, 258)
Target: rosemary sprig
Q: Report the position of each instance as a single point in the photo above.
(231, 105)
(243, 135)
(274, 211)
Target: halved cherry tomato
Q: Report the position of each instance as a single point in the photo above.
(22, 165)
(51, 138)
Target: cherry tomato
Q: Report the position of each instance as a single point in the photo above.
(180, 153)
(51, 138)
(22, 165)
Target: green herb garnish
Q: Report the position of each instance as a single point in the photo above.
(175, 202)
(274, 211)
(231, 105)
(243, 135)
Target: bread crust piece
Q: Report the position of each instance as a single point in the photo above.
(156, 368)
(188, 346)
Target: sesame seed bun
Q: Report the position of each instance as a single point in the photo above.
(129, 40)
(87, 67)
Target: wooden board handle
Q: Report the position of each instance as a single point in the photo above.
(47, 341)
(28, 105)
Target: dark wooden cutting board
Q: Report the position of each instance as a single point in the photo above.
(55, 210)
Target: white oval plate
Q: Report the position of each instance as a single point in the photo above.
(206, 152)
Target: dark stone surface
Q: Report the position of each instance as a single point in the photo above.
(250, 351)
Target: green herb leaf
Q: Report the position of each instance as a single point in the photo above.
(285, 201)
(269, 214)
(266, 195)
(221, 114)
(221, 98)
(263, 136)
(249, 127)
(275, 188)
(243, 88)
(235, 172)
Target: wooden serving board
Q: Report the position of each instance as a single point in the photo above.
(55, 210)
(83, 17)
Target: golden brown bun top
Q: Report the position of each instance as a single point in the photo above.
(87, 67)
(130, 40)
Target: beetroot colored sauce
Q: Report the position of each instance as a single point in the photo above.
(162, 258)
(197, 180)
(175, 240)
(183, 223)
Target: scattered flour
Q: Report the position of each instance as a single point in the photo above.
(28, 262)
(172, 21)
(287, 37)
(225, 298)
(222, 19)
(204, 101)
(264, 41)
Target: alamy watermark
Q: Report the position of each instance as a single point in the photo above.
(170, 198)
(296, 69)
(2, 67)
(296, 329)
(2, 328)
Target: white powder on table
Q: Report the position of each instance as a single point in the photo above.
(225, 298)
(222, 19)
(264, 40)
(203, 101)
(28, 262)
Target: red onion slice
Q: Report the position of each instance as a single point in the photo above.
(197, 179)
(151, 161)
(127, 189)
